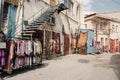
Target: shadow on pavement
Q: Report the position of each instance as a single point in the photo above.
(115, 60)
(83, 61)
(23, 70)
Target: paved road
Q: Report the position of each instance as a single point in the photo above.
(75, 67)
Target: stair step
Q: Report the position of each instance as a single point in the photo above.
(30, 25)
(29, 31)
(48, 14)
(43, 18)
(32, 28)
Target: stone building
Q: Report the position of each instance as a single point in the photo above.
(106, 26)
(56, 17)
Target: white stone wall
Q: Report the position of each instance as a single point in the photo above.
(115, 30)
(89, 25)
(32, 10)
(67, 19)
(114, 27)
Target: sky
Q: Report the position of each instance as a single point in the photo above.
(91, 6)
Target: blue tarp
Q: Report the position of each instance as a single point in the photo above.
(90, 40)
(11, 21)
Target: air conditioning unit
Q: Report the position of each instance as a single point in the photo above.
(52, 21)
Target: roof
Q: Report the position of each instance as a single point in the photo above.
(115, 16)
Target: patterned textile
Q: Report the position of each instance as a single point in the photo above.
(82, 40)
(2, 57)
(10, 56)
(56, 42)
(112, 46)
(53, 2)
(66, 44)
(107, 48)
(117, 48)
(30, 47)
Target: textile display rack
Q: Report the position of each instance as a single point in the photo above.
(21, 53)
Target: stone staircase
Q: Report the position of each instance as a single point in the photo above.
(36, 22)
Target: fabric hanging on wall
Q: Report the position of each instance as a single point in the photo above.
(82, 40)
(66, 44)
(56, 42)
(117, 48)
(10, 56)
(2, 57)
(47, 39)
(112, 46)
(53, 2)
(37, 47)
(95, 48)
(11, 21)
(106, 48)
(30, 49)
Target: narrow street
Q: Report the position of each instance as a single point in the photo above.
(75, 67)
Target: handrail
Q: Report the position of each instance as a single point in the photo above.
(32, 17)
(17, 25)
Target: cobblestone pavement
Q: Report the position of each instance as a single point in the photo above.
(74, 67)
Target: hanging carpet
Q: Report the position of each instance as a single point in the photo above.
(112, 46)
(82, 42)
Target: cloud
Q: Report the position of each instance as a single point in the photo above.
(87, 6)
